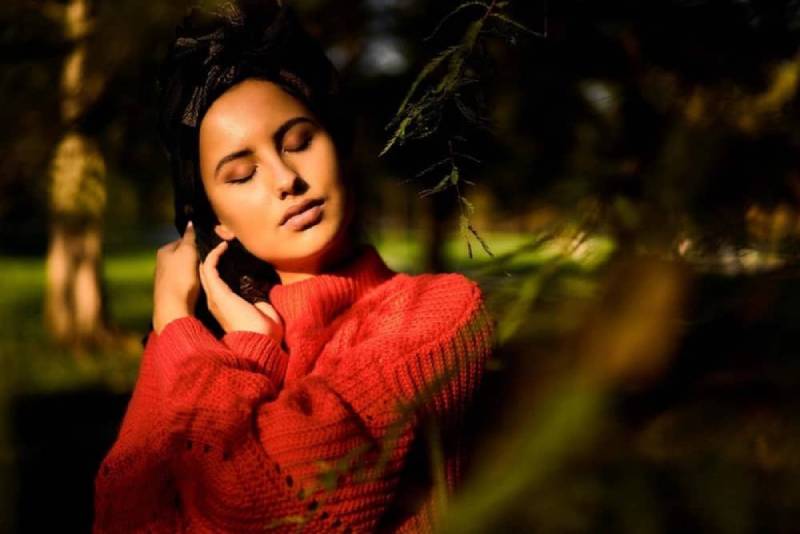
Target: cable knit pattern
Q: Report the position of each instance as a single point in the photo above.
(329, 434)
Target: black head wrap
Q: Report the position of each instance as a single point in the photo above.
(213, 51)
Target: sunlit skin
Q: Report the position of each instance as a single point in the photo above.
(254, 168)
(261, 151)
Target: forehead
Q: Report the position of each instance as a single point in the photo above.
(249, 107)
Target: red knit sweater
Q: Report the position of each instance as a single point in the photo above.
(239, 435)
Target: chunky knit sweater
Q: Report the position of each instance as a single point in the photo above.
(350, 425)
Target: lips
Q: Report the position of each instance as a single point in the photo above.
(299, 208)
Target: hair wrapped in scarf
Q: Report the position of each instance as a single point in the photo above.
(213, 51)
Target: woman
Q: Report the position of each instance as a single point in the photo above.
(291, 379)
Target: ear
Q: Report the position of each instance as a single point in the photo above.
(224, 232)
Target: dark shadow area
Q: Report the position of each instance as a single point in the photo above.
(60, 440)
(707, 444)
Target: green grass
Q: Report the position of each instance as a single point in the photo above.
(32, 363)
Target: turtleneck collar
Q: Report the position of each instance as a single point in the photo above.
(318, 300)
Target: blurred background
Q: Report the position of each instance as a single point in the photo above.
(622, 178)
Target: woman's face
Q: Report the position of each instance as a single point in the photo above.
(263, 152)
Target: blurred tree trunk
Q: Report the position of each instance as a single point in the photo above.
(74, 307)
(438, 211)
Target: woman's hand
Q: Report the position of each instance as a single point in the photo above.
(232, 311)
(176, 284)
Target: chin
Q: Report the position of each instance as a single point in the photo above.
(309, 243)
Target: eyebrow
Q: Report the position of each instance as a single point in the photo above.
(276, 139)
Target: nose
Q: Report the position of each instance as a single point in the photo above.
(288, 182)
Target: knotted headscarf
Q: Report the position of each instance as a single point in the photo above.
(252, 37)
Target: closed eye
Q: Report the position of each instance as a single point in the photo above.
(243, 179)
(301, 147)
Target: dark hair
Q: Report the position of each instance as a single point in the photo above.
(213, 51)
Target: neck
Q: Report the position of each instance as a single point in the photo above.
(326, 260)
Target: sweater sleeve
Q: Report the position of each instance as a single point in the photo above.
(146, 483)
(247, 454)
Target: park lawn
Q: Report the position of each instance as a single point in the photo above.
(31, 363)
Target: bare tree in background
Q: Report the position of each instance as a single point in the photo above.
(74, 310)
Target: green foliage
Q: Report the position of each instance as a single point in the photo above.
(441, 83)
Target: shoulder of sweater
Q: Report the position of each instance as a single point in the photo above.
(426, 307)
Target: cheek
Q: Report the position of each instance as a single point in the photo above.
(247, 212)
(323, 161)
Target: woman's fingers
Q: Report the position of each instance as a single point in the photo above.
(175, 282)
(212, 282)
(210, 303)
(231, 310)
(266, 308)
(213, 257)
(188, 237)
(269, 311)
(210, 266)
(202, 274)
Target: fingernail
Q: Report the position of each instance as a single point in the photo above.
(189, 224)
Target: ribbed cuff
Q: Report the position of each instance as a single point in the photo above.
(188, 337)
(260, 350)
(183, 338)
